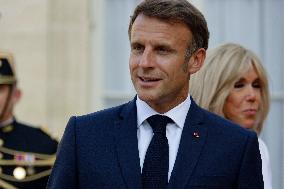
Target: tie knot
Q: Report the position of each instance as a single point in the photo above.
(159, 123)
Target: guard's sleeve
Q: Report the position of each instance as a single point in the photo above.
(64, 172)
(250, 175)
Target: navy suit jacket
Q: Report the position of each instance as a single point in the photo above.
(100, 151)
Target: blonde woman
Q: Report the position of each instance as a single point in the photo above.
(233, 84)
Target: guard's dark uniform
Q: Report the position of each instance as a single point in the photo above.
(27, 156)
(26, 153)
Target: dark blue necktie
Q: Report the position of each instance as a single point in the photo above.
(156, 162)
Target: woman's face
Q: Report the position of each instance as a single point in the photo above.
(242, 106)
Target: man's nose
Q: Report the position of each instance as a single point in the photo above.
(147, 59)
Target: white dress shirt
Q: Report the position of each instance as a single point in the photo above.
(173, 132)
(266, 168)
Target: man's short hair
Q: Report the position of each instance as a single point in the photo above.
(180, 11)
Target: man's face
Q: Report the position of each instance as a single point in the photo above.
(4, 92)
(157, 63)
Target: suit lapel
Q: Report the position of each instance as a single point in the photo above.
(127, 146)
(193, 138)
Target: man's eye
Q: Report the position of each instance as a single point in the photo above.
(163, 50)
(137, 48)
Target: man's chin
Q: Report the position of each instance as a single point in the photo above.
(149, 97)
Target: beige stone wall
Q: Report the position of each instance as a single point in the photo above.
(68, 62)
(49, 39)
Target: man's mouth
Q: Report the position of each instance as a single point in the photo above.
(149, 79)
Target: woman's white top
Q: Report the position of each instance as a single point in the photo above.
(266, 168)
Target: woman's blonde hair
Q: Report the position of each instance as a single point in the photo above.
(224, 66)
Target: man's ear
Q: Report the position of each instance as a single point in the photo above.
(17, 94)
(196, 60)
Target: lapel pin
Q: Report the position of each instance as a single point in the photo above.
(196, 134)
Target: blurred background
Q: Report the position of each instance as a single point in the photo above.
(72, 56)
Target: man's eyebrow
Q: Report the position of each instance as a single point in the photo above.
(135, 43)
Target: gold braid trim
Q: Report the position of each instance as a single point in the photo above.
(48, 162)
(14, 152)
(28, 178)
(6, 185)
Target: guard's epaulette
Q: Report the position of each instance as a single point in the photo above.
(7, 129)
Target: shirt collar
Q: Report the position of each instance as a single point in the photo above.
(177, 114)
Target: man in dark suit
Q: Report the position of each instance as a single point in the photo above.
(161, 139)
(26, 153)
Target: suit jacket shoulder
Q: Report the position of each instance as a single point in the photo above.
(104, 120)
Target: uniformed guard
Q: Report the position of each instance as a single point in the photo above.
(26, 153)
